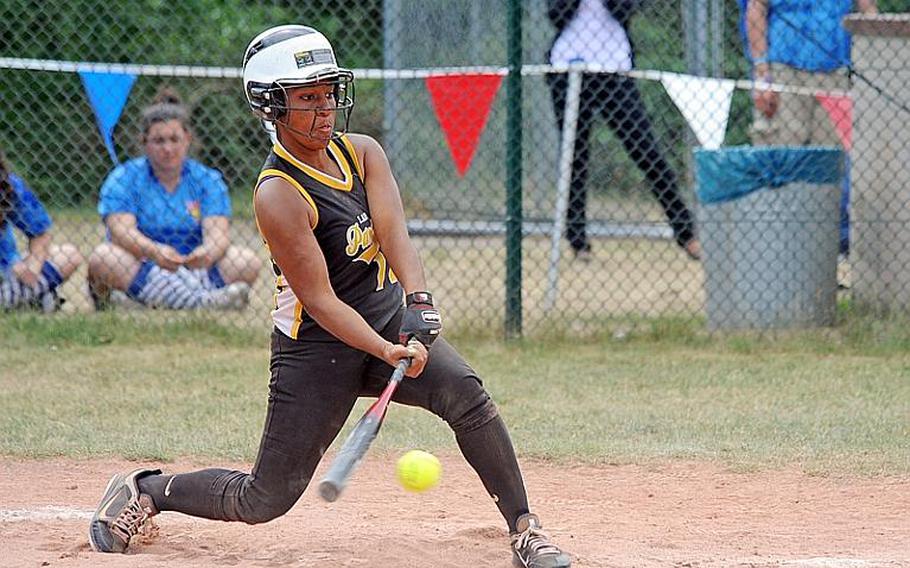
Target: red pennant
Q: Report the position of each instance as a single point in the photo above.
(840, 111)
(462, 105)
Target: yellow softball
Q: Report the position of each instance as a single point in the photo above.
(418, 470)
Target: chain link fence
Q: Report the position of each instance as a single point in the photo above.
(652, 183)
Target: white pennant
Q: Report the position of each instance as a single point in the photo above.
(705, 104)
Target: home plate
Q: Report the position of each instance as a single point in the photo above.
(49, 513)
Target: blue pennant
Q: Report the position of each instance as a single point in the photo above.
(107, 93)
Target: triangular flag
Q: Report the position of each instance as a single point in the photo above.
(705, 104)
(107, 93)
(462, 104)
(840, 111)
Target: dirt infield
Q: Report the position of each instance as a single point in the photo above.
(674, 515)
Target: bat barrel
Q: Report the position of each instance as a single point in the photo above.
(329, 491)
(358, 441)
(348, 457)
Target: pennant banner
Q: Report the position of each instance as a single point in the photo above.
(840, 111)
(462, 105)
(107, 93)
(705, 104)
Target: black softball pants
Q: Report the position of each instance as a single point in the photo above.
(313, 388)
(617, 99)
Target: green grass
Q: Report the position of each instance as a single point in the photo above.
(822, 401)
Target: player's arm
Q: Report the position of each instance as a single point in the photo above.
(215, 242)
(29, 268)
(39, 248)
(29, 216)
(279, 211)
(766, 100)
(125, 234)
(757, 33)
(387, 213)
(421, 320)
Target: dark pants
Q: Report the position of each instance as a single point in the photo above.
(617, 99)
(313, 388)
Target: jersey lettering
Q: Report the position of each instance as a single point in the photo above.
(362, 241)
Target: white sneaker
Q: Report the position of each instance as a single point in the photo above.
(120, 300)
(234, 296)
(48, 303)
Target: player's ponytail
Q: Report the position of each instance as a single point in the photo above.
(166, 106)
(167, 95)
(6, 190)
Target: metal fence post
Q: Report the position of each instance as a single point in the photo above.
(566, 154)
(513, 174)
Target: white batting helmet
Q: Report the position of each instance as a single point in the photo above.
(291, 56)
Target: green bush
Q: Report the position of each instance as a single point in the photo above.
(49, 131)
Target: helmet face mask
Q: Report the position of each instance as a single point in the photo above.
(286, 57)
(341, 103)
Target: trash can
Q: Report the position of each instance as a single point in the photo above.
(769, 224)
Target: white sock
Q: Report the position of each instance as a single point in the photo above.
(163, 289)
(14, 293)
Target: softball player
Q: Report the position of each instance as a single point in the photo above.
(325, 202)
(32, 280)
(168, 219)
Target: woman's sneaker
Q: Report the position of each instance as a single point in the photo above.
(47, 303)
(234, 296)
(531, 547)
(122, 512)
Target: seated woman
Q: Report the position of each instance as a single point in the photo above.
(29, 281)
(167, 218)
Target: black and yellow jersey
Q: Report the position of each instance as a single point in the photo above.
(358, 271)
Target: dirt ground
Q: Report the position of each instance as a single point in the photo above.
(681, 515)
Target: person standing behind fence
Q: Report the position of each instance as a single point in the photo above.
(33, 280)
(168, 225)
(596, 32)
(800, 43)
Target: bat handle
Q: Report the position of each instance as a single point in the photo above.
(400, 368)
(394, 380)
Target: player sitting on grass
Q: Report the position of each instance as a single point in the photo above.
(167, 218)
(350, 304)
(31, 281)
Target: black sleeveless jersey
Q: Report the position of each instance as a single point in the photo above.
(358, 271)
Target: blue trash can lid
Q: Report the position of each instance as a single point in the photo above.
(730, 173)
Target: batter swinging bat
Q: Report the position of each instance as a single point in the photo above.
(359, 439)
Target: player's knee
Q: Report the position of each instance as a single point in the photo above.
(67, 259)
(240, 264)
(467, 406)
(264, 504)
(270, 508)
(102, 258)
(251, 268)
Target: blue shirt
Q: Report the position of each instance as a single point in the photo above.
(27, 215)
(806, 34)
(171, 218)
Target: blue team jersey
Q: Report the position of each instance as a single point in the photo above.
(27, 214)
(171, 218)
(806, 34)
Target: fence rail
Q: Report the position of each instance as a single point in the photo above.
(625, 243)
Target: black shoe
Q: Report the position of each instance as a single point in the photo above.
(47, 303)
(583, 254)
(531, 547)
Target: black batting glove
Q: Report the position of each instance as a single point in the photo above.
(421, 320)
